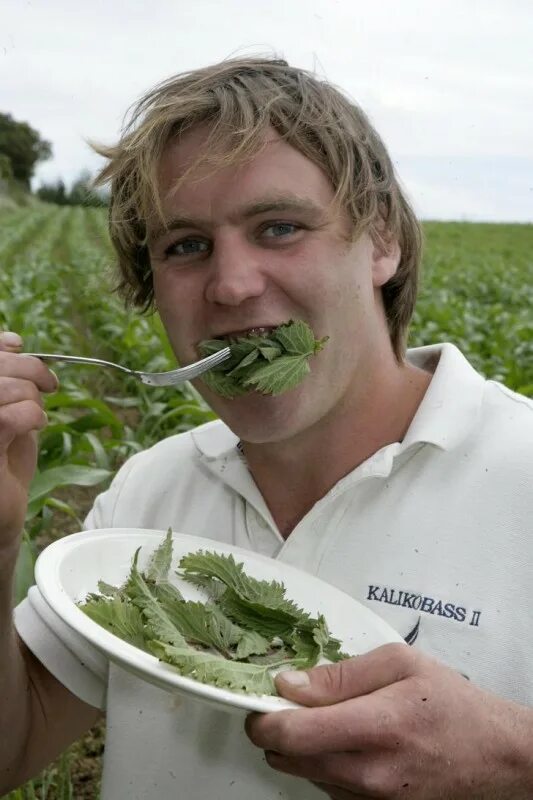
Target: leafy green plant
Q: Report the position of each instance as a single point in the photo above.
(233, 641)
(54, 264)
(477, 292)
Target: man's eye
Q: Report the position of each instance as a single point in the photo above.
(188, 247)
(280, 229)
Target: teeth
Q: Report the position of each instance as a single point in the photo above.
(259, 331)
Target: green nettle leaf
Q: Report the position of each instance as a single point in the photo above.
(247, 360)
(233, 641)
(269, 594)
(270, 353)
(223, 385)
(296, 338)
(255, 340)
(160, 562)
(239, 350)
(166, 594)
(252, 643)
(208, 668)
(270, 364)
(309, 643)
(270, 625)
(204, 624)
(320, 343)
(118, 616)
(333, 651)
(214, 565)
(317, 630)
(280, 655)
(321, 632)
(210, 346)
(283, 374)
(232, 633)
(214, 588)
(158, 620)
(307, 652)
(107, 589)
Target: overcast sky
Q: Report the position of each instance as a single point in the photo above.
(448, 83)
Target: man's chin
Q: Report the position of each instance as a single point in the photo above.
(258, 418)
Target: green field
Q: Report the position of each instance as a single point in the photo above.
(55, 290)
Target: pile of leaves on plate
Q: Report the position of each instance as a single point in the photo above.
(246, 628)
(271, 364)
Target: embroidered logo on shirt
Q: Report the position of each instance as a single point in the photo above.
(424, 604)
(412, 636)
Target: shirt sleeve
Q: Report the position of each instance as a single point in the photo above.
(102, 513)
(77, 664)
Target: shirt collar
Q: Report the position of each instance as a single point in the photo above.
(446, 415)
(450, 408)
(215, 440)
(218, 451)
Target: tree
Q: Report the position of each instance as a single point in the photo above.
(81, 192)
(23, 146)
(6, 173)
(53, 193)
(6, 170)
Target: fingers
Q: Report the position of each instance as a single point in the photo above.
(11, 342)
(22, 380)
(14, 390)
(28, 368)
(31, 368)
(333, 683)
(18, 419)
(361, 723)
(349, 706)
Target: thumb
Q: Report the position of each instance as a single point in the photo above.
(352, 677)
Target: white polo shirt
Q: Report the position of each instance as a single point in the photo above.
(434, 533)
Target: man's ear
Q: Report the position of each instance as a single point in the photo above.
(385, 260)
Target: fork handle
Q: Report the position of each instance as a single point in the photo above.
(80, 360)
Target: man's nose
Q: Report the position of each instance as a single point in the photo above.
(235, 272)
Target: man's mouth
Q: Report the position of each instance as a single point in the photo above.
(259, 330)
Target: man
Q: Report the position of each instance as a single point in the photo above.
(245, 195)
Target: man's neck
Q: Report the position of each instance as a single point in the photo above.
(294, 474)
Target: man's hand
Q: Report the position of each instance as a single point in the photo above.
(22, 382)
(394, 723)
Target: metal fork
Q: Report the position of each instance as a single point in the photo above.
(172, 378)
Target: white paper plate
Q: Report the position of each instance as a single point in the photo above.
(67, 570)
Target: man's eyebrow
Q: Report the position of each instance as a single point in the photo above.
(279, 204)
(276, 204)
(173, 224)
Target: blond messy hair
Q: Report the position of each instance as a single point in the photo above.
(239, 99)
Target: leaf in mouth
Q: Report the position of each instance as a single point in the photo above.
(270, 364)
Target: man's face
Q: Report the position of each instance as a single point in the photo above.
(255, 246)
